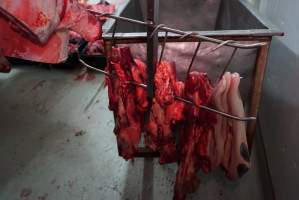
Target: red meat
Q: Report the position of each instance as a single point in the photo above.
(196, 148)
(186, 179)
(165, 112)
(122, 100)
(205, 140)
(174, 111)
(165, 78)
(139, 76)
(232, 149)
(42, 35)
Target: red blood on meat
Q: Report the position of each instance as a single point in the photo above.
(165, 78)
(174, 111)
(165, 112)
(151, 136)
(195, 135)
(186, 179)
(122, 101)
(139, 76)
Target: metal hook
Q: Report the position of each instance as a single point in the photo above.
(218, 46)
(193, 58)
(93, 68)
(216, 111)
(113, 33)
(108, 74)
(163, 47)
(227, 64)
(156, 29)
(187, 34)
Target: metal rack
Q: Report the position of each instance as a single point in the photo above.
(224, 38)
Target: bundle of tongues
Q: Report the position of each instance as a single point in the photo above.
(205, 140)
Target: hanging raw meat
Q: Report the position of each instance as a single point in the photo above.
(206, 140)
(227, 126)
(139, 75)
(221, 127)
(165, 112)
(165, 78)
(231, 142)
(122, 101)
(38, 30)
(196, 142)
(174, 111)
(239, 159)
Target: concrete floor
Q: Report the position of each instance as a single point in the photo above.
(56, 143)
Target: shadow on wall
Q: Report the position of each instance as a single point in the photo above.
(279, 116)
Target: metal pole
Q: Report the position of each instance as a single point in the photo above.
(180, 32)
(152, 45)
(256, 91)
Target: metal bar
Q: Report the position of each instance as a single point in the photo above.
(218, 46)
(120, 9)
(193, 58)
(91, 67)
(201, 37)
(152, 45)
(256, 90)
(113, 33)
(163, 47)
(222, 35)
(216, 111)
(151, 59)
(140, 37)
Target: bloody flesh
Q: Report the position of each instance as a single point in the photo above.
(122, 100)
(45, 36)
(165, 112)
(206, 140)
(195, 148)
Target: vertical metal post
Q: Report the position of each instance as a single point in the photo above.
(151, 60)
(152, 45)
(256, 90)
